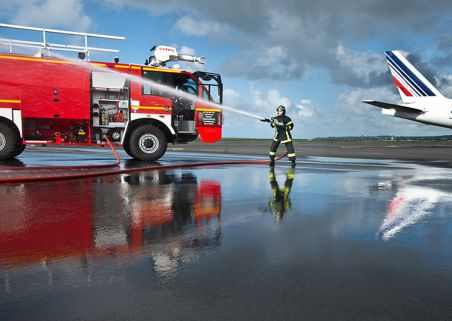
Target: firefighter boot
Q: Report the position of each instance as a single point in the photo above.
(272, 159)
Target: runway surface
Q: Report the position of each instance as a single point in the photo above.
(439, 152)
(333, 239)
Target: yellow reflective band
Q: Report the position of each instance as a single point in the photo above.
(37, 59)
(290, 176)
(11, 101)
(99, 64)
(121, 66)
(162, 70)
(291, 155)
(206, 109)
(272, 153)
(136, 67)
(289, 123)
(271, 175)
(286, 141)
(150, 107)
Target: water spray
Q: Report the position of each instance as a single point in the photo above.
(169, 90)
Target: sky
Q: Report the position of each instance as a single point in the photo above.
(318, 58)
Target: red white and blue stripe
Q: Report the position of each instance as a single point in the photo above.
(409, 80)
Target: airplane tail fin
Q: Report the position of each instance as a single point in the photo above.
(409, 81)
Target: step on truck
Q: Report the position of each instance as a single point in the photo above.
(46, 99)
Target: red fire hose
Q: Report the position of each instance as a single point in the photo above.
(112, 172)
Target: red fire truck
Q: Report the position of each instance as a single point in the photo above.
(48, 100)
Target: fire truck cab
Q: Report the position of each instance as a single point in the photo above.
(48, 100)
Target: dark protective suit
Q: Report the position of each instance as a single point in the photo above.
(281, 202)
(283, 125)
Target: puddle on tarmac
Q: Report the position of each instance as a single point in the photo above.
(230, 243)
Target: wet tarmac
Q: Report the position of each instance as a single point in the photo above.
(332, 239)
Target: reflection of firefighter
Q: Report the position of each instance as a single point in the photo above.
(281, 201)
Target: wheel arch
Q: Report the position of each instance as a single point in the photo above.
(11, 124)
(148, 121)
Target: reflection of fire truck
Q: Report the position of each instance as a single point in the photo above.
(48, 100)
(121, 216)
(185, 202)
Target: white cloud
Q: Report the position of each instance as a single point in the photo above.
(256, 96)
(187, 51)
(275, 99)
(360, 65)
(197, 27)
(52, 13)
(269, 102)
(306, 109)
(231, 97)
(155, 7)
(446, 88)
(273, 55)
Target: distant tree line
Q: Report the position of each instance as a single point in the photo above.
(384, 138)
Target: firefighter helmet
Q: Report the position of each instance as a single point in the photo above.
(281, 109)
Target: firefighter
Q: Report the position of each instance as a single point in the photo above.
(281, 202)
(283, 125)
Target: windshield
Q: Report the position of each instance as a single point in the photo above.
(180, 81)
(212, 87)
(212, 93)
(186, 84)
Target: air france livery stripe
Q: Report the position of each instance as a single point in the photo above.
(403, 79)
(402, 87)
(418, 87)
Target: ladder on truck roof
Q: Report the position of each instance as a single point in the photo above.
(44, 45)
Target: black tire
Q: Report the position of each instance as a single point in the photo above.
(19, 150)
(126, 148)
(147, 143)
(10, 142)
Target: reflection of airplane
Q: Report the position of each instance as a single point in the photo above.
(101, 216)
(412, 203)
(422, 102)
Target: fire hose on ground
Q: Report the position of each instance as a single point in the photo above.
(24, 179)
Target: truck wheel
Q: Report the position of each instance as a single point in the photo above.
(19, 150)
(147, 143)
(126, 148)
(10, 142)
